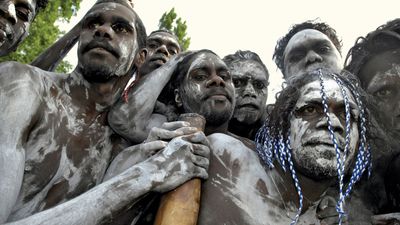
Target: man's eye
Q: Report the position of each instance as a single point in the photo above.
(200, 76)
(120, 28)
(237, 82)
(296, 57)
(324, 49)
(308, 111)
(384, 93)
(93, 25)
(172, 51)
(23, 13)
(224, 75)
(258, 85)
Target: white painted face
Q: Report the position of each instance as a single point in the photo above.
(309, 50)
(380, 77)
(15, 19)
(313, 150)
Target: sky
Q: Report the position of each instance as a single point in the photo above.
(225, 26)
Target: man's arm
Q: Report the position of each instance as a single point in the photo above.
(181, 160)
(131, 119)
(19, 103)
(52, 56)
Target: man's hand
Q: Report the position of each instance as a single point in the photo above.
(184, 158)
(326, 212)
(386, 219)
(170, 130)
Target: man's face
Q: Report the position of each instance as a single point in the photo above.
(251, 90)
(312, 146)
(380, 77)
(161, 46)
(15, 19)
(107, 42)
(208, 89)
(309, 50)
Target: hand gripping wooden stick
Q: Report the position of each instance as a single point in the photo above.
(181, 206)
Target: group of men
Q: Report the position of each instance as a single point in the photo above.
(101, 144)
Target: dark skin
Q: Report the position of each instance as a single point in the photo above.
(380, 77)
(239, 189)
(309, 50)
(15, 19)
(160, 47)
(251, 92)
(61, 145)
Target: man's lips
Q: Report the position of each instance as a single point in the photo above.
(220, 94)
(101, 46)
(159, 58)
(325, 142)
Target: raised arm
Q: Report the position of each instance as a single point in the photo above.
(131, 119)
(52, 56)
(19, 104)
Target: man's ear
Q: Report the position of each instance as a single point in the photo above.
(178, 99)
(140, 57)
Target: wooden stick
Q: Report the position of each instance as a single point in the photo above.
(181, 206)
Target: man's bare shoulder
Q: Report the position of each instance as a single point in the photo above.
(18, 75)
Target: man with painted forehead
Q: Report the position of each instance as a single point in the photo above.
(16, 17)
(55, 142)
(375, 59)
(317, 132)
(306, 47)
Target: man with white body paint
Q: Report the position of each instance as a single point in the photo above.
(317, 117)
(55, 142)
(306, 47)
(239, 190)
(375, 59)
(250, 77)
(16, 17)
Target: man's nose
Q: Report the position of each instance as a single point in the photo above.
(335, 123)
(216, 81)
(313, 57)
(7, 11)
(103, 31)
(249, 90)
(163, 49)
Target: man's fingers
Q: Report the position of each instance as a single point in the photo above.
(200, 172)
(201, 150)
(175, 125)
(198, 137)
(201, 161)
(151, 148)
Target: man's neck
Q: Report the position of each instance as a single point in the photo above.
(210, 129)
(100, 95)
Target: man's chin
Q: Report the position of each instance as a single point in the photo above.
(97, 73)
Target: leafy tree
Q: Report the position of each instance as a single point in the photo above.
(178, 26)
(44, 32)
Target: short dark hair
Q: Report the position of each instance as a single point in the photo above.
(168, 96)
(242, 56)
(168, 32)
(324, 28)
(384, 38)
(140, 28)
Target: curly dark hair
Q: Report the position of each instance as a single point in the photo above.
(324, 28)
(245, 55)
(384, 38)
(288, 97)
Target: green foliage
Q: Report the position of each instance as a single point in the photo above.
(44, 32)
(176, 25)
